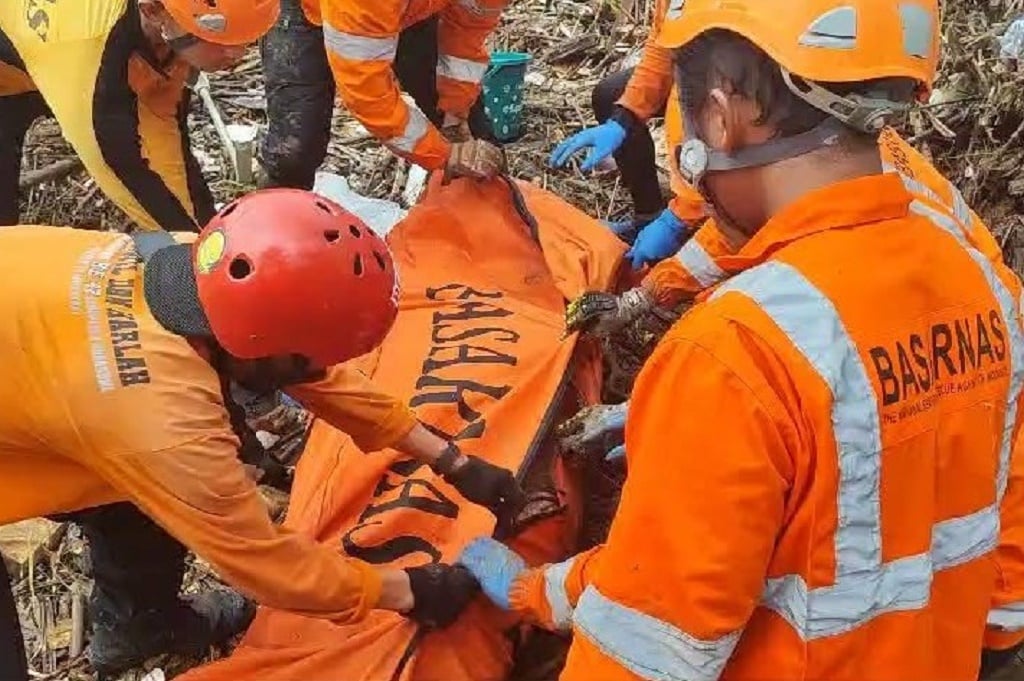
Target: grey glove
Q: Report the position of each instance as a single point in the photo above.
(603, 314)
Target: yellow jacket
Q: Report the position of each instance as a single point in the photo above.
(121, 105)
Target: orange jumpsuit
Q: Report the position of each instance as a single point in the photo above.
(102, 404)
(361, 40)
(860, 517)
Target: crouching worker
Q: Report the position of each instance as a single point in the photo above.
(435, 50)
(623, 103)
(113, 74)
(845, 500)
(116, 366)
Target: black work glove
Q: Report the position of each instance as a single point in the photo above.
(484, 484)
(440, 593)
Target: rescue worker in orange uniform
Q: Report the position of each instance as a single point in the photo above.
(116, 368)
(113, 74)
(845, 501)
(435, 50)
(623, 103)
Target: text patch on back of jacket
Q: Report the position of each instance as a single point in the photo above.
(953, 354)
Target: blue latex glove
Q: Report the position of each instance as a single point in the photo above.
(495, 566)
(660, 239)
(602, 140)
(626, 230)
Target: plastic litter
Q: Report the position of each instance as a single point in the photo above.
(379, 214)
(1011, 43)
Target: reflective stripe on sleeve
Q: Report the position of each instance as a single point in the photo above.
(415, 130)
(699, 264)
(650, 648)
(557, 597)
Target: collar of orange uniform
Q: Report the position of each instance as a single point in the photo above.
(838, 206)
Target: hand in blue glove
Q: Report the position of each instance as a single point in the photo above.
(495, 566)
(602, 140)
(660, 239)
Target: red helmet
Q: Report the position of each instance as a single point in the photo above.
(286, 271)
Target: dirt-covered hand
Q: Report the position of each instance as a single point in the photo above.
(594, 431)
(490, 486)
(456, 130)
(602, 314)
(476, 158)
(440, 593)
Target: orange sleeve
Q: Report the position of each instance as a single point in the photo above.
(547, 595)
(462, 32)
(1006, 617)
(199, 493)
(361, 39)
(699, 515)
(647, 91)
(693, 269)
(687, 204)
(348, 400)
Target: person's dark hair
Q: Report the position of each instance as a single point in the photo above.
(724, 59)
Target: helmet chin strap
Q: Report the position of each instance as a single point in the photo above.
(696, 158)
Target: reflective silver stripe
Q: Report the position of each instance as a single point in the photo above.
(414, 131)
(1008, 617)
(359, 47)
(699, 264)
(558, 599)
(456, 68)
(865, 587)
(650, 648)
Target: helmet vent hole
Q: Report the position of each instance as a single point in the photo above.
(357, 265)
(229, 209)
(380, 261)
(324, 207)
(354, 231)
(332, 235)
(240, 268)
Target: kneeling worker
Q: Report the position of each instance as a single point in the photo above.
(623, 103)
(113, 74)
(115, 372)
(845, 501)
